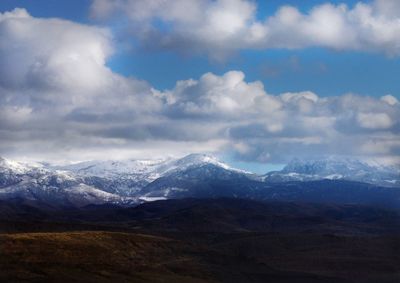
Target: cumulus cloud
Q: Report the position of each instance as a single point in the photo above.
(61, 64)
(374, 120)
(53, 77)
(220, 96)
(273, 128)
(390, 99)
(51, 53)
(223, 26)
(59, 100)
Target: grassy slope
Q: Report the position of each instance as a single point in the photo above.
(239, 257)
(92, 257)
(201, 241)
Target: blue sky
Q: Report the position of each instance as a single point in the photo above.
(100, 77)
(325, 72)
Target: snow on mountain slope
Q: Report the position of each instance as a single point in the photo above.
(81, 195)
(334, 168)
(94, 181)
(192, 160)
(205, 179)
(12, 166)
(12, 171)
(195, 175)
(112, 168)
(148, 170)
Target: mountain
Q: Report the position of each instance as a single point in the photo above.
(147, 169)
(336, 169)
(194, 183)
(11, 172)
(96, 182)
(131, 182)
(201, 181)
(128, 178)
(43, 183)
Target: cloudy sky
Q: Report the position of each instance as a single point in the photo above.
(254, 82)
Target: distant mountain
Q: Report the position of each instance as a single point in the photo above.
(146, 169)
(43, 183)
(132, 182)
(129, 178)
(202, 180)
(95, 182)
(336, 169)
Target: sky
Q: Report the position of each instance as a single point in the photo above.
(256, 83)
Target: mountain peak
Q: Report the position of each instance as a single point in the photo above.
(198, 158)
(14, 166)
(336, 168)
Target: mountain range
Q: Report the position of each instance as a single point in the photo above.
(131, 182)
(195, 219)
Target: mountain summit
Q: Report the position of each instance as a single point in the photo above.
(120, 182)
(334, 168)
(131, 182)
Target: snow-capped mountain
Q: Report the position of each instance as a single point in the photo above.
(196, 175)
(334, 169)
(121, 182)
(11, 172)
(46, 183)
(127, 178)
(208, 179)
(145, 169)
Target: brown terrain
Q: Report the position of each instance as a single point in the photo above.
(200, 241)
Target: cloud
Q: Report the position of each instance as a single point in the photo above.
(225, 96)
(374, 120)
(54, 73)
(59, 100)
(58, 64)
(388, 8)
(390, 99)
(51, 53)
(224, 26)
(269, 128)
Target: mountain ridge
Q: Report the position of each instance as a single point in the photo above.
(336, 168)
(132, 182)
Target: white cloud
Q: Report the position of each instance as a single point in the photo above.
(390, 99)
(259, 125)
(58, 99)
(226, 96)
(60, 65)
(374, 120)
(223, 26)
(389, 8)
(53, 77)
(50, 53)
